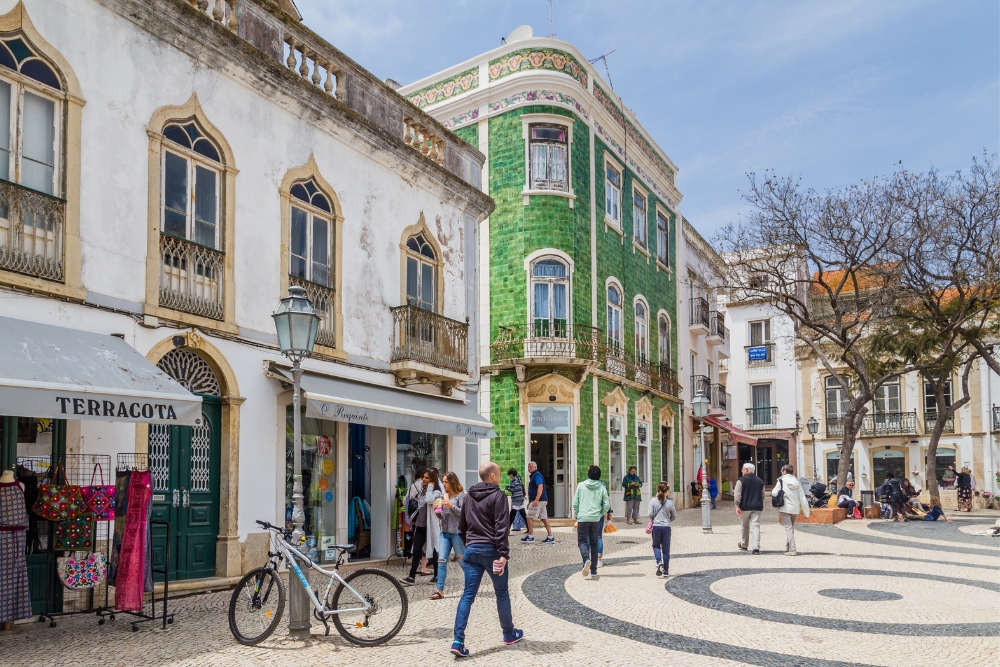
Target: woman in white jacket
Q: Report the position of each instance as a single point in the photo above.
(795, 500)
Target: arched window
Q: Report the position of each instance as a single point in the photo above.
(641, 331)
(615, 336)
(191, 177)
(421, 281)
(664, 335)
(311, 243)
(550, 298)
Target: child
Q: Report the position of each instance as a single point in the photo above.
(662, 512)
(713, 490)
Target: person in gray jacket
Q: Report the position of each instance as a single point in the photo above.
(449, 511)
(661, 513)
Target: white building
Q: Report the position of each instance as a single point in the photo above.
(171, 169)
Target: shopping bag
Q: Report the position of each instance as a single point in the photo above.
(76, 534)
(518, 522)
(857, 513)
(610, 527)
(76, 574)
(58, 502)
(100, 498)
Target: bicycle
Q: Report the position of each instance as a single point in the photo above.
(259, 599)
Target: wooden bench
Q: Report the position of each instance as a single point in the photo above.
(824, 515)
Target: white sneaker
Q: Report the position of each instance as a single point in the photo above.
(586, 569)
(791, 553)
(600, 562)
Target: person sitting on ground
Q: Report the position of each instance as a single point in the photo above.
(845, 499)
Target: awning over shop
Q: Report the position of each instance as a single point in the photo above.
(59, 373)
(339, 399)
(737, 435)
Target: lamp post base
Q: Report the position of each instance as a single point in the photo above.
(706, 511)
(299, 625)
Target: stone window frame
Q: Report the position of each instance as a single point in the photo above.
(644, 415)
(667, 214)
(547, 119)
(616, 226)
(69, 118)
(161, 118)
(193, 160)
(660, 316)
(438, 262)
(636, 242)
(616, 405)
(607, 305)
(636, 300)
(529, 262)
(311, 170)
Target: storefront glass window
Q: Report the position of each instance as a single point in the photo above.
(944, 458)
(832, 461)
(415, 450)
(319, 483)
(886, 461)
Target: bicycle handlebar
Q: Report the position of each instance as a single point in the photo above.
(271, 526)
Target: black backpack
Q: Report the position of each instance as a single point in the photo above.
(779, 500)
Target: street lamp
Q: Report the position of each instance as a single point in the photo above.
(297, 323)
(700, 405)
(813, 426)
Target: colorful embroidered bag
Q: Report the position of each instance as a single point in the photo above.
(76, 574)
(58, 502)
(100, 498)
(76, 534)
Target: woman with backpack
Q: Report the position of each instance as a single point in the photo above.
(661, 513)
(426, 528)
(788, 496)
(516, 488)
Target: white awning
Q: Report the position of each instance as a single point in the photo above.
(59, 373)
(339, 399)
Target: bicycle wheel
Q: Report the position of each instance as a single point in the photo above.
(386, 615)
(256, 606)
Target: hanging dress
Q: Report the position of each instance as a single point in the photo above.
(121, 508)
(131, 574)
(15, 600)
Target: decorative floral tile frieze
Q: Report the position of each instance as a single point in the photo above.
(634, 135)
(528, 59)
(462, 119)
(530, 96)
(462, 82)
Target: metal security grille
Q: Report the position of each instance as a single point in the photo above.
(159, 456)
(201, 447)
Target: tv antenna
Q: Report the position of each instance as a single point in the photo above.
(604, 58)
(552, 32)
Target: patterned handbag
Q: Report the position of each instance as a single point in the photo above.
(76, 534)
(76, 574)
(100, 498)
(58, 502)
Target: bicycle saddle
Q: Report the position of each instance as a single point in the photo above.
(347, 548)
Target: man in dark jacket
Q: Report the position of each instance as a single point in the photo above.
(748, 496)
(483, 527)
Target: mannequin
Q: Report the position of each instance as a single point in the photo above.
(13, 571)
(8, 476)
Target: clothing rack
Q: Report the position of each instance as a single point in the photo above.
(79, 470)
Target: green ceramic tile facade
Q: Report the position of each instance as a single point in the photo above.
(469, 134)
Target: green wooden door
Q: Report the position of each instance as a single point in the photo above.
(184, 461)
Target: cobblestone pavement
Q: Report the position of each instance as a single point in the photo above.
(860, 593)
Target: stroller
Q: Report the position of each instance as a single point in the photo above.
(820, 496)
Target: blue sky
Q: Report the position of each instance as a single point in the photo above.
(831, 92)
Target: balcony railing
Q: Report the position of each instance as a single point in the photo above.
(717, 331)
(625, 363)
(699, 312)
(191, 277)
(930, 421)
(876, 425)
(667, 378)
(322, 298)
(759, 355)
(700, 384)
(762, 419)
(428, 338)
(31, 232)
(719, 396)
(996, 417)
(564, 340)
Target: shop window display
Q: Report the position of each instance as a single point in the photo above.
(415, 450)
(319, 482)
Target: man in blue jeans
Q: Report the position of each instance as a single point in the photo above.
(483, 526)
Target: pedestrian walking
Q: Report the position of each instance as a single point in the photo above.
(661, 513)
(789, 490)
(423, 529)
(590, 504)
(963, 482)
(516, 489)
(748, 496)
(538, 498)
(449, 513)
(484, 526)
(632, 486)
(713, 491)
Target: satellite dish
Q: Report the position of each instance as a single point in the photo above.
(520, 34)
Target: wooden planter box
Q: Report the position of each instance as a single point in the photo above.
(824, 515)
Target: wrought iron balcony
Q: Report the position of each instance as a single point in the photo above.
(625, 363)
(191, 277)
(930, 421)
(31, 232)
(996, 417)
(877, 425)
(322, 298)
(760, 355)
(701, 384)
(542, 340)
(668, 380)
(719, 397)
(835, 427)
(428, 339)
(717, 331)
(699, 314)
(762, 419)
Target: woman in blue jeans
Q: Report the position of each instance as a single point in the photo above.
(449, 512)
(662, 512)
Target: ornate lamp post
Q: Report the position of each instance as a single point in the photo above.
(813, 426)
(700, 405)
(296, 323)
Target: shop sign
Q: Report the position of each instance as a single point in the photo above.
(470, 431)
(550, 419)
(343, 413)
(757, 353)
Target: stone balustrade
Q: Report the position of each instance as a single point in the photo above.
(423, 140)
(222, 11)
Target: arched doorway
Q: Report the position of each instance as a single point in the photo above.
(185, 466)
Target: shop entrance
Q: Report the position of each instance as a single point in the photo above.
(765, 463)
(550, 452)
(184, 462)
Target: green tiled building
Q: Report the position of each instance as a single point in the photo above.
(577, 267)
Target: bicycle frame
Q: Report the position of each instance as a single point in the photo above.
(290, 554)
